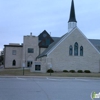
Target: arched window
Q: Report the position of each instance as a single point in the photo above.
(81, 51)
(70, 50)
(14, 62)
(76, 49)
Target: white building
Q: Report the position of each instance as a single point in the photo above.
(72, 51)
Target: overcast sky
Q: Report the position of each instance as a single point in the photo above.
(20, 17)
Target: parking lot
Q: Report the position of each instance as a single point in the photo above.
(48, 88)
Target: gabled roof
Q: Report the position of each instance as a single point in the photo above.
(94, 42)
(42, 35)
(56, 40)
(45, 39)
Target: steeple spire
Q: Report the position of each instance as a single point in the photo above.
(72, 19)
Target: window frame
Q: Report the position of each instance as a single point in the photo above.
(14, 62)
(29, 63)
(14, 52)
(30, 50)
(76, 49)
(70, 50)
(37, 67)
(81, 50)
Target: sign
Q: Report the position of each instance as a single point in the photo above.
(23, 64)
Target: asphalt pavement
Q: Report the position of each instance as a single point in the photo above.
(47, 88)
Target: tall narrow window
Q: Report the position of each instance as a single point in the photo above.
(70, 50)
(14, 62)
(81, 51)
(76, 49)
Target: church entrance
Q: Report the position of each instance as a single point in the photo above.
(29, 63)
(37, 67)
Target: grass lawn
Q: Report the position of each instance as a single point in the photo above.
(19, 72)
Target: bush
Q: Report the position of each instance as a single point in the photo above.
(80, 71)
(50, 71)
(87, 71)
(65, 70)
(72, 71)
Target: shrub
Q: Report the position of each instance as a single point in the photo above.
(72, 71)
(65, 70)
(50, 71)
(80, 71)
(87, 71)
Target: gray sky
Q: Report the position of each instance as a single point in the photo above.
(20, 17)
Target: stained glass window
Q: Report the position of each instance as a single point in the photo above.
(76, 49)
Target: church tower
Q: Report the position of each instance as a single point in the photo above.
(72, 19)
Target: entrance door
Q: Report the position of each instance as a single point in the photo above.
(29, 63)
(37, 67)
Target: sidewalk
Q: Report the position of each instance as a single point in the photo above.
(51, 77)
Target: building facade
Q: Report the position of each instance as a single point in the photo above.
(72, 51)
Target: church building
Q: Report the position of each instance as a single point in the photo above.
(72, 51)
